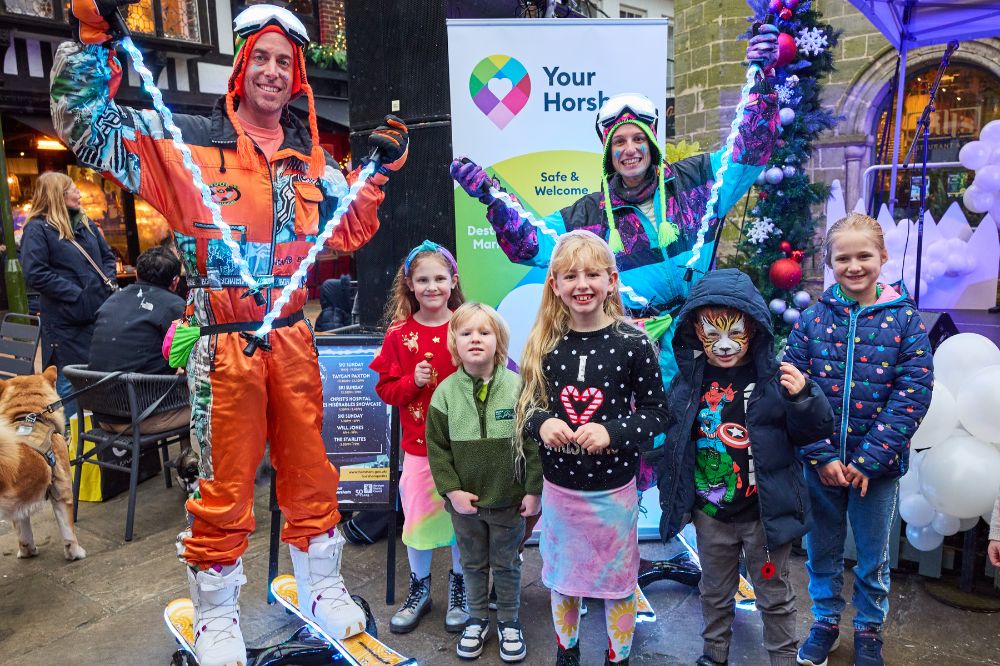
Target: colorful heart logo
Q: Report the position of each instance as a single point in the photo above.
(500, 87)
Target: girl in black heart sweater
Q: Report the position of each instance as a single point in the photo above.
(593, 399)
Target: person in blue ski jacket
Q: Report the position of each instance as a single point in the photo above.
(863, 342)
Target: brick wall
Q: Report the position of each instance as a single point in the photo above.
(331, 19)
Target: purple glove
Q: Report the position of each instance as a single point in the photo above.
(473, 180)
(763, 47)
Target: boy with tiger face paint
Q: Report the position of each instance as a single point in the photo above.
(725, 333)
(729, 462)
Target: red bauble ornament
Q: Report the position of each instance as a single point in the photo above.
(787, 50)
(785, 247)
(762, 195)
(785, 273)
(797, 255)
(785, 14)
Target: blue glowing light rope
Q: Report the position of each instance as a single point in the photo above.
(206, 194)
(300, 273)
(713, 198)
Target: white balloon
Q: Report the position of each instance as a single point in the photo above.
(990, 132)
(974, 155)
(909, 483)
(955, 263)
(937, 250)
(979, 404)
(923, 538)
(945, 525)
(970, 264)
(936, 269)
(966, 524)
(961, 478)
(916, 510)
(995, 212)
(941, 419)
(962, 355)
(988, 178)
(977, 200)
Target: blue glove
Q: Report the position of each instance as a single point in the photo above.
(473, 179)
(763, 47)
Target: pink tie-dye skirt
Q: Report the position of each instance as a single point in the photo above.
(426, 524)
(589, 541)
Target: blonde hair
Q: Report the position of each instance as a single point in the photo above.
(403, 302)
(49, 202)
(473, 310)
(853, 222)
(577, 248)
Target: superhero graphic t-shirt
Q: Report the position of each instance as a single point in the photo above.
(723, 474)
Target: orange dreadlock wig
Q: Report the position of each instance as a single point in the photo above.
(300, 85)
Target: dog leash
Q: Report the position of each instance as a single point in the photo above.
(29, 419)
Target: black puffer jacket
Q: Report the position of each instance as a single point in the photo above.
(71, 291)
(776, 422)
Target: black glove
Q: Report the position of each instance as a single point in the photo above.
(392, 141)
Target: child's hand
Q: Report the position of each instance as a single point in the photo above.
(833, 474)
(462, 501)
(422, 374)
(856, 478)
(792, 379)
(532, 504)
(556, 433)
(593, 437)
(993, 550)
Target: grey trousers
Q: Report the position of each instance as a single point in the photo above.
(490, 539)
(719, 546)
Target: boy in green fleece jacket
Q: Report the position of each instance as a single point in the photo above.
(489, 486)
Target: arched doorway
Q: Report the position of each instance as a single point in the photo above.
(968, 98)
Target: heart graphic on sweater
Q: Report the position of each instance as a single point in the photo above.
(592, 398)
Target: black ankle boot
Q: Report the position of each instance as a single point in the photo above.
(568, 657)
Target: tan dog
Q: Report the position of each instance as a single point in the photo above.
(26, 477)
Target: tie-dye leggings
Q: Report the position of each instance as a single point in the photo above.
(619, 618)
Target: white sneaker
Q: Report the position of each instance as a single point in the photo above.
(215, 593)
(323, 598)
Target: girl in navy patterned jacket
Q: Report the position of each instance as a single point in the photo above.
(865, 346)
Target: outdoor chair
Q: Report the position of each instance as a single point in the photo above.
(19, 335)
(129, 396)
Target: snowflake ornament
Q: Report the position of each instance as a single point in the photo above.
(760, 230)
(811, 41)
(785, 93)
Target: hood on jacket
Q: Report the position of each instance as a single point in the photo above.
(727, 287)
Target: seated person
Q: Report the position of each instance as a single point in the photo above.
(335, 298)
(130, 329)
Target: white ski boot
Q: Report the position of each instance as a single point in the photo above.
(323, 598)
(215, 594)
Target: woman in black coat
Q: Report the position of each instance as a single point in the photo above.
(71, 288)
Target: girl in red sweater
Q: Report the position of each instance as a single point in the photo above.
(413, 360)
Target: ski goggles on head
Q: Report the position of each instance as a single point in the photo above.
(429, 246)
(257, 17)
(638, 105)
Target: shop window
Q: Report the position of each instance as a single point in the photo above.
(178, 19)
(39, 8)
(968, 98)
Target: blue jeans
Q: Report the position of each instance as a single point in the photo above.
(64, 388)
(871, 519)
